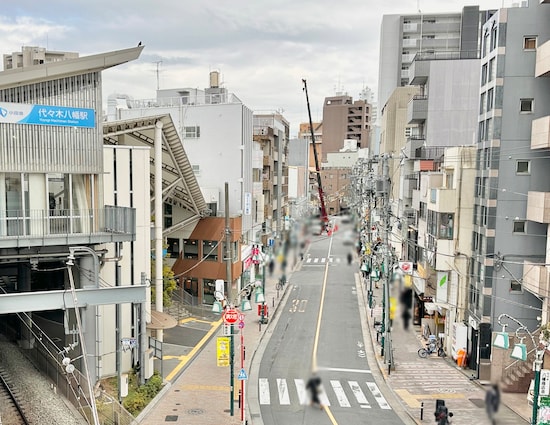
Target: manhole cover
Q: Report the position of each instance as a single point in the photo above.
(171, 418)
(478, 402)
(195, 411)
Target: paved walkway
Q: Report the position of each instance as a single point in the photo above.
(198, 392)
(419, 382)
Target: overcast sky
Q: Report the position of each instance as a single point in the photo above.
(263, 48)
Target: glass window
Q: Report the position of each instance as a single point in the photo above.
(494, 38)
(210, 250)
(526, 106)
(484, 74)
(173, 248)
(491, 71)
(191, 286)
(519, 226)
(208, 290)
(190, 249)
(523, 167)
(482, 103)
(529, 43)
(490, 98)
(192, 132)
(515, 285)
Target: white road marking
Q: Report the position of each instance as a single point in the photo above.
(378, 396)
(301, 390)
(359, 395)
(263, 391)
(284, 397)
(339, 369)
(340, 394)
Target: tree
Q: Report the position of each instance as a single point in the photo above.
(169, 284)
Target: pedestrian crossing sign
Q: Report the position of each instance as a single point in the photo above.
(242, 375)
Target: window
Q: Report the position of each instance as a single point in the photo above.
(482, 103)
(210, 250)
(488, 129)
(484, 214)
(190, 249)
(193, 132)
(526, 106)
(173, 248)
(529, 43)
(481, 131)
(515, 285)
(485, 44)
(519, 226)
(523, 167)
(490, 99)
(491, 71)
(484, 74)
(449, 180)
(487, 158)
(196, 169)
(494, 38)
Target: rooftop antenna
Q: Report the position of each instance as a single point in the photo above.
(158, 73)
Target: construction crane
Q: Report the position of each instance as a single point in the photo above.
(323, 210)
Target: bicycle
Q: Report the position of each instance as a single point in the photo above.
(280, 284)
(431, 348)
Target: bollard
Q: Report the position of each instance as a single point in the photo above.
(240, 397)
(244, 352)
(422, 411)
(273, 302)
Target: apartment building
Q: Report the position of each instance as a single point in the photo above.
(402, 37)
(508, 271)
(34, 55)
(344, 119)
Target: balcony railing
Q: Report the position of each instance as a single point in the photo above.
(44, 223)
(459, 54)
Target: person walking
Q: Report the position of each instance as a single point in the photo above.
(314, 387)
(492, 402)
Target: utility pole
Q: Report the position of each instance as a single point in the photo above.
(229, 264)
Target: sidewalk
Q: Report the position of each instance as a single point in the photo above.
(198, 391)
(419, 382)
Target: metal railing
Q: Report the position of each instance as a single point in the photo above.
(458, 54)
(39, 223)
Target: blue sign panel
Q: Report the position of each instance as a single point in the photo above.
(20, 113)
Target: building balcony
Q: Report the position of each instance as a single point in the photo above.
(538, 207)
(267, 185)
(442, 200)
(542, 64)
(67, 227)
(535, 278)
(417, 109)
(540, 133)
(418, 73)
(267, 160)
(408, 186)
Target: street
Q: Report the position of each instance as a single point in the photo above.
(320, 329)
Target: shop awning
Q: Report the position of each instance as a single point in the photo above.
(441, 308)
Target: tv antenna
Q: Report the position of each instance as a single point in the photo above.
(158, 73)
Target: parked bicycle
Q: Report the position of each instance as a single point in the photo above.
(432, 347)
(281, 283)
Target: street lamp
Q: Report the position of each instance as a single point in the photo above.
(519, 352)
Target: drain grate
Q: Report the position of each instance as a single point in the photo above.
(195, 411)
(477, 402)
(171, 418)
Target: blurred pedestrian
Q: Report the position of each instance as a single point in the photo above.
(492, 402)
(314, 387)
(271, 267)
(350, 258)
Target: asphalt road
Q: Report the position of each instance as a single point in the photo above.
(319, 328)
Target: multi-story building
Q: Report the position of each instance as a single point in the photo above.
(60, 224)
(33, 55)
(272, 131)
(298, 178)
(402, 37)
(344, 119)
(508, 271)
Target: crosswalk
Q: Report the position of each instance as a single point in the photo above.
(344, 394)
(323, 260)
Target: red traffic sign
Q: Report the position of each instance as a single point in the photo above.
(231, 316)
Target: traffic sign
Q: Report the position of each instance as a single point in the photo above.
(241, 317)
(231, 316)
(241, 325)
(242, 375)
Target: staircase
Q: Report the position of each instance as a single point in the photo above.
(517, 375)
(178, 308)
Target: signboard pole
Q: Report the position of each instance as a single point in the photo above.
(242, 380)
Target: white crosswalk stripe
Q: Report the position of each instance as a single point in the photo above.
(284, 397)
(343, 395)
(322, 260)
